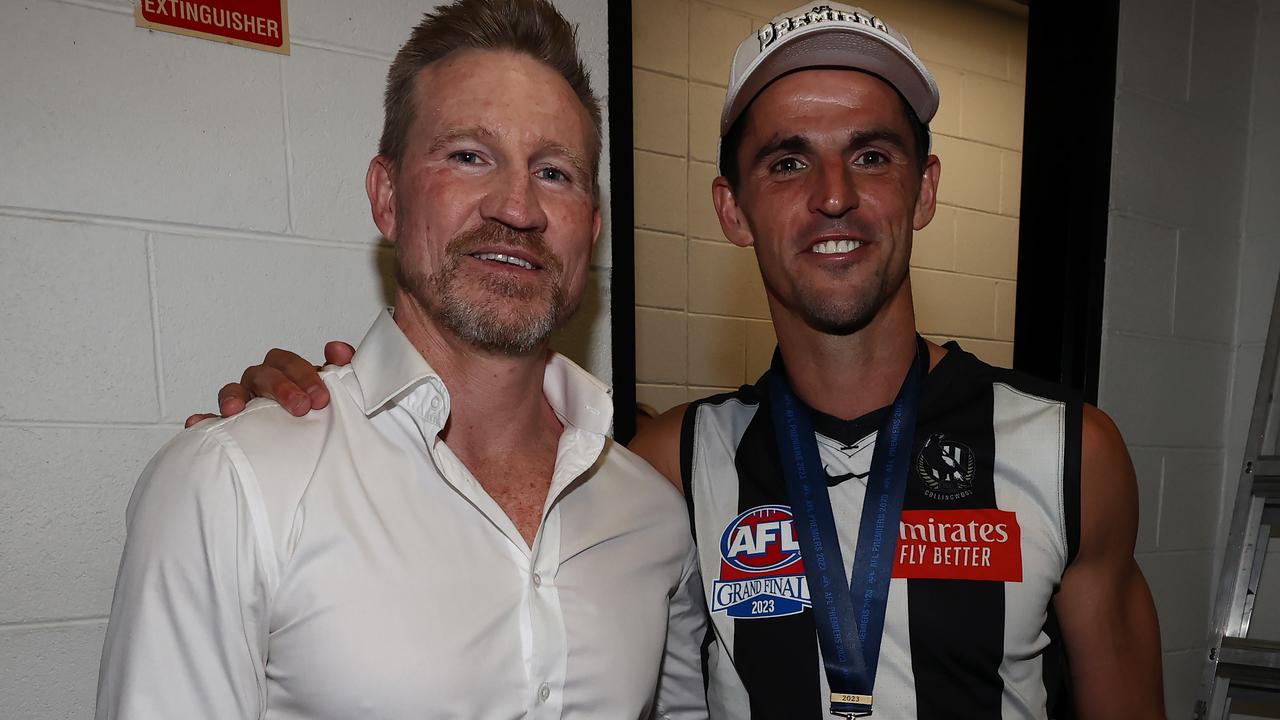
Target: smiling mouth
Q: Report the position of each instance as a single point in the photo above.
(508, 259)
(833, 247)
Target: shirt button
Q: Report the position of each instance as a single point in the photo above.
(544, 692)
(435, 402)
(537, 582)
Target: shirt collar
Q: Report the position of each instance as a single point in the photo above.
(388, 366)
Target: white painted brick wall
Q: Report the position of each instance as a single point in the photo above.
(1190, 252)
(170, 208)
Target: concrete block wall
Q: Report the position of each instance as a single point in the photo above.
(1258, 271)
(1182, 265)
(171, 208)
(702, 323)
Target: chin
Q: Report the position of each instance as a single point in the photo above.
(837, 317)
(504, 324)
(837, 325)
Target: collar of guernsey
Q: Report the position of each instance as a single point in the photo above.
(848, 609)
(388, 366)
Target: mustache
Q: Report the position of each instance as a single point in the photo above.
(495, 233)
(851, 226)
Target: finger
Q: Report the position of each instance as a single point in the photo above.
(337, 352)
(307, 376)
(198, 417)
(232, 398)
(302, 374)
(268, 382)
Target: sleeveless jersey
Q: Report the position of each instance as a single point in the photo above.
(990, 523)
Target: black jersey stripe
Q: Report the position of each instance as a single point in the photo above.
(687, 428)
(957, 626)
(777, 659)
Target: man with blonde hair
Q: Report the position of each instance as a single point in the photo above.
(455, 535)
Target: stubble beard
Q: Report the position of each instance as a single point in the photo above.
(496, 314)
(840, 316)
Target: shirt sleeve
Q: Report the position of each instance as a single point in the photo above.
(188, 631)
(681, 688)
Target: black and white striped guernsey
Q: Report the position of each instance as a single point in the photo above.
(990, 523)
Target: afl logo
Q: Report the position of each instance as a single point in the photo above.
(761, 540)
(761, 571)
(946, 467)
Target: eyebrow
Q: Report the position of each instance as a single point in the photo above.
(793, 143)
(552, 147)
(801, 144)
(468, 133)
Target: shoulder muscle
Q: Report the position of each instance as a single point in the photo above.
(659, 443)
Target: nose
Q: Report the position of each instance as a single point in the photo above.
(835, 191)
(513, 201)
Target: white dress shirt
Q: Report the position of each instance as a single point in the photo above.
(347, 565)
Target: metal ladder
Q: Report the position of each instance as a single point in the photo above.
(1239, 667)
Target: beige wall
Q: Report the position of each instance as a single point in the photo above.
(702, 323)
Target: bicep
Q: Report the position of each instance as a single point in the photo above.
(1105, 608)
(187, 631)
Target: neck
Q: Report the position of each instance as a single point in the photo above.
(496, 401)
(848, 376)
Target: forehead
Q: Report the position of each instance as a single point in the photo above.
(508, 93)
(824, 99)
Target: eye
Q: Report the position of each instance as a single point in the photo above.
(466, 157)
(871, 158)
(553, 174)
(787, 165)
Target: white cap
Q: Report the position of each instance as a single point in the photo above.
(827, 35)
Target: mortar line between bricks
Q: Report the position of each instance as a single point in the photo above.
(1222, 345)
(288, 151)
(53, 624)
(157, 354)
(176, 228)
(1176, 448)
(1173, 552)
(87, 425)
(316, 44)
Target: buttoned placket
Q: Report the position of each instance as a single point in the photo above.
(542, 626)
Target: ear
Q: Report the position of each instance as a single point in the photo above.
(732, 222)
(379, 183)
(927, 199)
(596, 224)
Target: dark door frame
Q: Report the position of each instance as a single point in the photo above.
(1066, 191)
(622, 283)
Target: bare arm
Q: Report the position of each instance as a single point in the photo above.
(659, 444)
(1105, 608)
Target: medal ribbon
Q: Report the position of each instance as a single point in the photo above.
(849, 614)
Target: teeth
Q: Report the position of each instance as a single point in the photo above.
(830, 247)
(508, 259)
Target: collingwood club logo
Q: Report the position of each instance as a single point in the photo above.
(946, 467)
